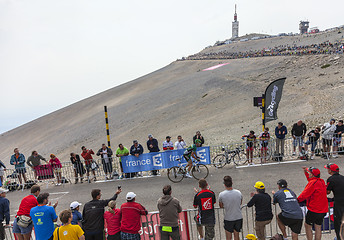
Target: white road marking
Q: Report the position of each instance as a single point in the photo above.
(267, 164)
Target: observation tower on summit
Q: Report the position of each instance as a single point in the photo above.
(235, 25)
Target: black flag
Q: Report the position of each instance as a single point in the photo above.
(273, 95)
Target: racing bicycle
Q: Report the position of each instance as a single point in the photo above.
(236, 156)
(177, 173)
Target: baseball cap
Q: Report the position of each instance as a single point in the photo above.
(130, 196)
(332, 119)
(259, 185)
(150, 135)
(135, 141)
(332, 166)
(3, 190)
(314, 171)
(282, 183)
(74, 205)
(168, 137)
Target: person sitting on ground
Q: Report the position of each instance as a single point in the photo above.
(291, 214)
(168, 144)
(34, 161)
(77, 217)
(191, 152)
(57, 167)
(328, 130)
(313, 137)
(250, 146)
(264, 138)
(68, 231)
(337, 139)
(106, 155)
(262, 202)
(112, 218)
(78, 167)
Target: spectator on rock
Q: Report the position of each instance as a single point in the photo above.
(68, 231)
(28, 202)
(87, 155)
(34, 161)
(43, 218)
(298, 132)
(335, 183)
(250, 146)
(198, 136)
(280, 132)
(315, 195)
(93, 215)
(106, 155)
(76, 215)
(291, 214)
(313, 137)
(120, 152)
(18, 160)
(262, 203)
(2, 172)
(112, 219)
(264, 138)
(230, 199)
(153, 146)
(204, 200)
(131, 218)
(4, 212)
(78, 167)
(180, 144)
(337, 138)
(168, 144)
(328, 130)
(169, 209)
(57, 167)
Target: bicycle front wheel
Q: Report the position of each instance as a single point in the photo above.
(219, 161)
(240, 158)
(200, 171)
(175, 174)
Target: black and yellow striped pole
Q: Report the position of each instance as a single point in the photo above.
(263, 111)
(107, 126)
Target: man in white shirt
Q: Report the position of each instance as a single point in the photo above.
(180, 144)
(328, 132)
(106, 155)
(231, 199)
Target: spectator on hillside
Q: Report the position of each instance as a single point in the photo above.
(2, 172)
(68, 231)
(280, 132)
(4, 212)
(136, 149)
(34, 161)
(264, 138)
(78, 167)
(18, 160)
(230, 199)
(204, 200)
(291, 214)
(93, 215)
(76, 215)
(112, 219)
(120, 152)
(298, 132)
(169, 209)
(131, 218)
(153, 146)
(198, 136)
(43, 217)
(180, 144)
(57, 167)
(262, 203)
(168, 144)
(328, 130)
(250, 146)
(87, 155)
(28, 202)
(106, 155)
(313, 137)
(335, 184)
(337, 138)
(315, 195)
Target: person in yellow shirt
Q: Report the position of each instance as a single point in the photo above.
(68, 231)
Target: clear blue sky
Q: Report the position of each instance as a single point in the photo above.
(54, 53)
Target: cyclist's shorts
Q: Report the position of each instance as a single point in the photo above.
(264, 145)
(249, 146)
(187, 157)
(250, 149)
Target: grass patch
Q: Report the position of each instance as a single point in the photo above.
(325, 66)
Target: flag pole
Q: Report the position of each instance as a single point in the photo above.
(263, 111)
(107, 126)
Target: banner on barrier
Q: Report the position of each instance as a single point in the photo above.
(160, 160)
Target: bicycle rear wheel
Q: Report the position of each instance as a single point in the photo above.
(200, 171)
(175, 174)
(240, 158)
(219, 161)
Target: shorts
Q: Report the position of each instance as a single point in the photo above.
(298, 141)
(231, 226)
(249, 146)
(337, 141)
(57, 170)
(187, 157)
(18, 229)
(294, 224)
(327, 142)
(264, 145)
(88, 167)
(316, 218)
(130, 236)
(313, 145)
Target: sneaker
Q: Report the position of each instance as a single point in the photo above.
(188, 175)
(59, 184)
(121, 177)
(335, 156)
(252, 164)
(294, 154)
(312, 157)
(94, 179)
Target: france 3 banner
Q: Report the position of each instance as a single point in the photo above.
(160, 160)
(273, 95)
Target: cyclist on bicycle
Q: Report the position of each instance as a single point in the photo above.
(191, 152)
(264, 138)
(250, 145)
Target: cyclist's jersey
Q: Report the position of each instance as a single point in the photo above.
(250, 140)
(190, 149)
(264, 137)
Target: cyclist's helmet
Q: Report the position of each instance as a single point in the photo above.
(198, 141)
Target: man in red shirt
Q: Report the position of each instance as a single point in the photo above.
(131, 218)
(315, 195)
(28, 202)
(87, 155)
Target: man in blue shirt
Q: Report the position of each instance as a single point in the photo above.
(43, 217)
(4, 212)
(280, 132)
